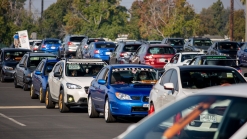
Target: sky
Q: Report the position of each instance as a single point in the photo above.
(198, 4)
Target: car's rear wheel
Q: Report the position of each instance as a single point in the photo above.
(61, 105)
(48, 101)
(15, 83)
(107, 112)
(2, 77)
(41, 95)
(32, 93)
(92, 113)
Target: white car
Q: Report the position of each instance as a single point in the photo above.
(226, 104)
(68, 82)
(181, 58)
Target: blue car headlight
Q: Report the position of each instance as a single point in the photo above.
(73, 86)
(8, 68)
(122, 96)
(222, 54)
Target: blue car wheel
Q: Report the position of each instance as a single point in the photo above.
(108, 116)
(92, 113)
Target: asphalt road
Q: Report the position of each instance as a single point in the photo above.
(24, 118)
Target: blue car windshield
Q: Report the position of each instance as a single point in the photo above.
(133, 75)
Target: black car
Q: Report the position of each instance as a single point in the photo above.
(198, 44)
(176, 43)
(9, 58)
(226, 48)
(26, 66)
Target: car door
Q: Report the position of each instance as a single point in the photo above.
(58, 80)
(113, 55)
(21, 71)
(35, 77)
(102, 91)
(95, 89)
(171, 95)
(53, 81)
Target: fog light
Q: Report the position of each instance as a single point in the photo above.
(70, 99)
(192, 123)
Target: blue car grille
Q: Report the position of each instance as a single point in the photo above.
(145, 99)
(139, 109)
(135, 97)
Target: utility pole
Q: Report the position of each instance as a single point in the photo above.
(42, 8)
(30, 6)
(231, 20)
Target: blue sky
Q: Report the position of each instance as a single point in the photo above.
(198, 4)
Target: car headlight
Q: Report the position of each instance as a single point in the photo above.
(73, 86)
(222, 54)
(122, 96)
(8, 68)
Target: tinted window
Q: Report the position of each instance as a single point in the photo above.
(34, 60)
(177, 42)
(154, 42)
(197, 79)
(228, 46)
(202, 42)
(105, 45)
(51, 41)
(13, 56)
(188, 56)
(95, 40)
(166, 77)
(130, 48)
(161, 50)
(76, 39)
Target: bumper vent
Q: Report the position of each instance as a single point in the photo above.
(145, 99)
(86, 89)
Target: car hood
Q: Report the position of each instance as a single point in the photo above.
(82, 81)
(134, 89)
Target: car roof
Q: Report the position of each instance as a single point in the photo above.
(161, 45)
(131, 42)
(129, 65)
(41, 54)
(103, 42)
(175, 38)
(16, 49)
(204, 67)
(225, 90)
(203, 56)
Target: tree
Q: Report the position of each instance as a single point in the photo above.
(239, 21)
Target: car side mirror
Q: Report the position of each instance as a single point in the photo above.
(101, 81)
(57, 74)
(168, 86)
(245, 74)
(37, 72)
(21, 65)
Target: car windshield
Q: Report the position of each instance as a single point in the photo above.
(160, 50)
(188, 56)
(14, 56)
(83, 69)
(52, 42)
(197, 79)
(95, 40)
(228, 46)
(194, 117)
(35, 60)
(76, 39)
(221, 62)
(105, 45)
(177, 42)
(133, 75)
(130, 48)
(202, 42)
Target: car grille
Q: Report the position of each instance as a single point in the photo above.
(145, 99)
(86, 89)
(139, 109)
(135, 97)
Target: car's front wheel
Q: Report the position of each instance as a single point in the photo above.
(108, 116)
(92, 113)
(61, 105)
(48, 101)
(32, 93)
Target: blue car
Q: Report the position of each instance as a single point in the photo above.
(101, 50)
(121, 90)
(242, 55)
(40, 78)
(50, 45)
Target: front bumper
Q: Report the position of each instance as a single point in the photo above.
(8, 74)
(79, 97)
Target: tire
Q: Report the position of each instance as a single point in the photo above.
(61, 105)
(48, 101)
(107, 113)
(2, 77)
(15, 83)
(25, 87)
(41, 95)
(59, 54)
(32, 93)
(92, 113)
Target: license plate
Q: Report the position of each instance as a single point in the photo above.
(53, 47)
(145, 105)
(162, 60)
(208, 118)
(107, 53)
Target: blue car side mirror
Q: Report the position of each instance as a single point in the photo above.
(94, 76)
(101, 81)
(37, 72)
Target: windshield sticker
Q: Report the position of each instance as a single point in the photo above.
(87, 63)
(229, 75)
(74, 66)
(133, 69)
(216, 57)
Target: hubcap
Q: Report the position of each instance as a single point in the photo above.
(60, 101)
(106, 110)
(89, 109)
(46, 97)
(40, 94)
(31, 90)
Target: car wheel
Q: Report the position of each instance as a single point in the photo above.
(41, 95)
(48, 101)
(25, 87)
(61, 105)
(59, 54)
(92, 113)
(107, 112)
(15, 83)
(2, 77)
(32, 93)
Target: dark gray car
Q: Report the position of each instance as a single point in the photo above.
(197, 44)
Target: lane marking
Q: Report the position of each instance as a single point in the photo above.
(11, 119)
(22, 107)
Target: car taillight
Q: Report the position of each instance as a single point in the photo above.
(151, 109)
(122, 54)
(70, 43)
(147, 57)
(43, 46)
(96, 51)
(177, 117)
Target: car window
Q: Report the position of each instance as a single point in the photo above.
(13, 56)
(76, 39)
(130, 48)
(35, 60)
(160, 50)
(188, 56)
(40, 66)
(204, 116)
(243, 47)
(228, 46)
(56, 69)
(23, 59)
(51, 42)
(174, 79)
(192, 62)
(105, 45)
(139, 50)
(176, 42)
(166, 77)
(101, 74)
(202, 42)
(197, 79)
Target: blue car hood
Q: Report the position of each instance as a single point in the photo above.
(133, 89)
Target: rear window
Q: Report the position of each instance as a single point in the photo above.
(95, 40)
(34, 60)
(161, 50)
(52, 42)
(202, 43)
(13, 56)
(228, 46)
(105, 45)
(76, 39)
(177, 42)
(130, 48)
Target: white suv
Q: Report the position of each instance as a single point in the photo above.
(181, 58)
(68, 82)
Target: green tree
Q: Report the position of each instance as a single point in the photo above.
(239, 21)
(133, 26)
(218, 12)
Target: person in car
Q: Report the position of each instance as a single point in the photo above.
(74, 73)
(142, 76)
(96, 70)
(7, 56)
(116, 78)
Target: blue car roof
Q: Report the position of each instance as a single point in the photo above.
(100, 42)
(129, 65)
(51, 60)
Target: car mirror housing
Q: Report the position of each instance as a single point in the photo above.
(101, 81)
(37, 72)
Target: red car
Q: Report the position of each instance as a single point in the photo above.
(155, 55)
